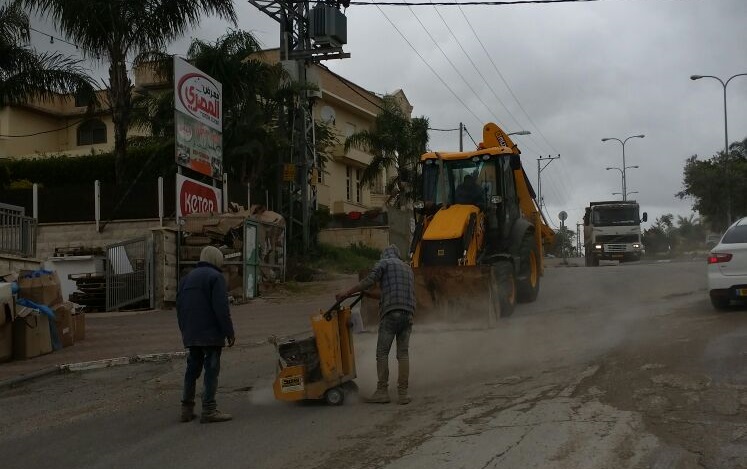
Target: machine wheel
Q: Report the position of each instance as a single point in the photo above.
(594, 261)
(587, 257)
(334, 396)
(528, 285)
(502, 291)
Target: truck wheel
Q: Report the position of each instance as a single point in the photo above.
(594, 261)
(528, 285)
(502, 291)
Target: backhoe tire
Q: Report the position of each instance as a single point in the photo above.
(502, 291)
(528, 284)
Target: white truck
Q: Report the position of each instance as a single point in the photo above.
(612, 231)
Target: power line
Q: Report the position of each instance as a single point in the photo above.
(470, 136)
(473, 64)
(495, 67)
(469, 3)
(443, 130)
(438, 46)
(43, 132)
(52, 37)
(429, 66)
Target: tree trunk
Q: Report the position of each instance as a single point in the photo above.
(120, 100)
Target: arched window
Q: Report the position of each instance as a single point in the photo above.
(91, 132)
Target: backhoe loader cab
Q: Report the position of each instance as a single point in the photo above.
(477, 246)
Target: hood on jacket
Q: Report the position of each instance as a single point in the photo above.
(390, 252)
(212, 255)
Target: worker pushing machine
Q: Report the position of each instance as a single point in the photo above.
(396, 309)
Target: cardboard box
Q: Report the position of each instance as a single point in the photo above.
(6, 342)
(31, 336)
(7, 303)
(64, 323)
(79, 326)
(40, 286)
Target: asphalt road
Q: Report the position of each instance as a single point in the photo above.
(613, 367)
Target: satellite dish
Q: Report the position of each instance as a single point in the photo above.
(328, 114)
(562, 215)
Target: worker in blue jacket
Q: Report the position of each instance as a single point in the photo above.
(206, 327)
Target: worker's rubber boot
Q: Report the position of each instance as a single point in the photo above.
(381, 396)
(213, 416)
(403, 375)
(188, 412)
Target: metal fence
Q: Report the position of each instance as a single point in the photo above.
(129, 273)
(17, 231)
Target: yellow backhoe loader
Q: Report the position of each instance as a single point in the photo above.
(478, 243)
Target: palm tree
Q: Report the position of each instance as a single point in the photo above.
(120, 31)
(396, 142)
(26, 74)
(256, 94)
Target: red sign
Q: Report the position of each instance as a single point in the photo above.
(195, 197)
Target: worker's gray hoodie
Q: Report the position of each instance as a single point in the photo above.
(396, 280)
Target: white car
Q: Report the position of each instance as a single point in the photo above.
(727, 267)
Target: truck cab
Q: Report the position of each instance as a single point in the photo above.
(612, 231)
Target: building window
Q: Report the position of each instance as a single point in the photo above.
(350, 129)
(358, 186)
(91, 132)
(378, 184)
(319, 176)
(348, 182)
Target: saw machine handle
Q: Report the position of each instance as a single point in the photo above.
(336, 306)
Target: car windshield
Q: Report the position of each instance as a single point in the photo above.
(459, 174)
(736, 234)
(609, 216)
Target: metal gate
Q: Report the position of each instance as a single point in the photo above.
(129, 273)
(17, 231)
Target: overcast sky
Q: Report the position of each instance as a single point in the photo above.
(580, 71)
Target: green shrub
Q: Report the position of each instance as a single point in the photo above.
(349, 260)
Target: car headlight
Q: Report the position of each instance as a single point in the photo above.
(598, 246)
(636, 245)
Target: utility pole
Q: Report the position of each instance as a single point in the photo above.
(461, 136)
(578, 238)
(307, 35)
(549, 159)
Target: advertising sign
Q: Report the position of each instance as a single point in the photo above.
(198, 95)
(196, 197)
(198, 147)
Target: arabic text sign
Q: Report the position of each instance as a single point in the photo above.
(196, 197)
(198, 147)
(198, 95)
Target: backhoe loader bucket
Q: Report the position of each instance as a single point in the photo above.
(455, 295)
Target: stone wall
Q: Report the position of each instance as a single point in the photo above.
(10, 264)
(61, 235)
(376, 237)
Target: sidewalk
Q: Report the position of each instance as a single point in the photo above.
(113, 335)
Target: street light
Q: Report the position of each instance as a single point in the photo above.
(520, 132)
(622, 173)
(622, 142)
(726, 132)
(620, 193)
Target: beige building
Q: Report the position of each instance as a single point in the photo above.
(61, 127)
(57, 126)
